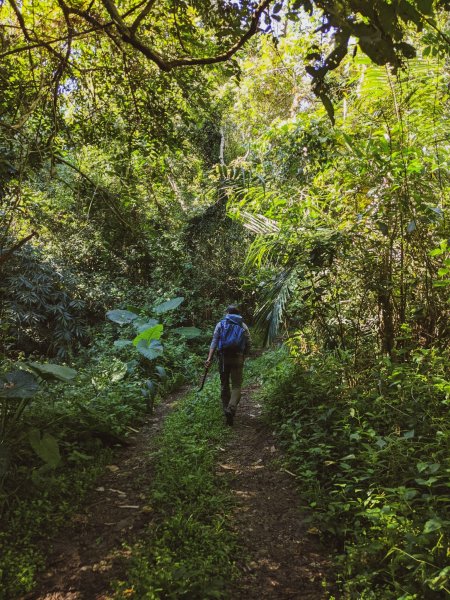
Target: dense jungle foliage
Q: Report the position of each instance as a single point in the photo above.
(161, 160)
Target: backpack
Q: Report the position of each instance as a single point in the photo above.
(232, 337)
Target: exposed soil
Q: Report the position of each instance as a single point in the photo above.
(284, 558)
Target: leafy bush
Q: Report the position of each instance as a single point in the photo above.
(372, 461)
(40, 305)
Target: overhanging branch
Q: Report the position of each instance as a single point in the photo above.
(128, 35)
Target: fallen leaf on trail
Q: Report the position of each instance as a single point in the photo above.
(100, 489)
(117, 491)
(228, 467)
(273, 449)
(147, 509)
(112, 468)
(128, 506)
(289, 472)
(313, 531)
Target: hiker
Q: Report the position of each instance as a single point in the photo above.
(232, 340)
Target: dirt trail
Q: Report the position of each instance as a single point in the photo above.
(285, 560)
(88, 554)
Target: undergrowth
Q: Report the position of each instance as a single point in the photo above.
(34, 517)
(188, 548)
(85, 419)
(371, 456)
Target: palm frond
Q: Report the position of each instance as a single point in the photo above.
(259, 224)
(274, 300)
(266, 249)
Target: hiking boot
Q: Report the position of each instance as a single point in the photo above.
(229, 416)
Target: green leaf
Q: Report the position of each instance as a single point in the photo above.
(46, 447)
(144, 323)
(188, 332)
(432, 525)
(49, 370)
(350, 143)
(442, 283)
(169, 305)
(151, 350)
(122, 317)
(122, 343)
(150, 389)
(18, 384)
(133, 309)
(161, 372)
(152, 333)
(119, 372)
(328, 107)
(425, 6)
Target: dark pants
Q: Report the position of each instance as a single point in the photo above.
(231, 367)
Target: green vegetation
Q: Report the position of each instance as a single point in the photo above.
(160, 160)
(372, 464)
(188, 551)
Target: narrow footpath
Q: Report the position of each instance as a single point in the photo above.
(283, 557)
(90, 553)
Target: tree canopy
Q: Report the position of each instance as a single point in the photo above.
(162, 160)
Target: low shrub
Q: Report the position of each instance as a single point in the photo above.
(372, 462)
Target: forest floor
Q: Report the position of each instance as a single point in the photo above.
(284, 558)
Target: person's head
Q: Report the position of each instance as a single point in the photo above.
(233, 310)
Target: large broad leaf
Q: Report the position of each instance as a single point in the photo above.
(150, 350)
(18, 384)
(122, 343)
(46, 447)
(142, 324)
(49, 370)
(122, 317)
(152, 333)
(169, 305)
(188, 332)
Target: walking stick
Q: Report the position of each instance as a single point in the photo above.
(204, 379)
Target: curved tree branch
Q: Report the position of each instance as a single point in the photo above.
(7, 254)
(128, 35)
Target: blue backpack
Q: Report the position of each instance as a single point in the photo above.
(232, 337)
